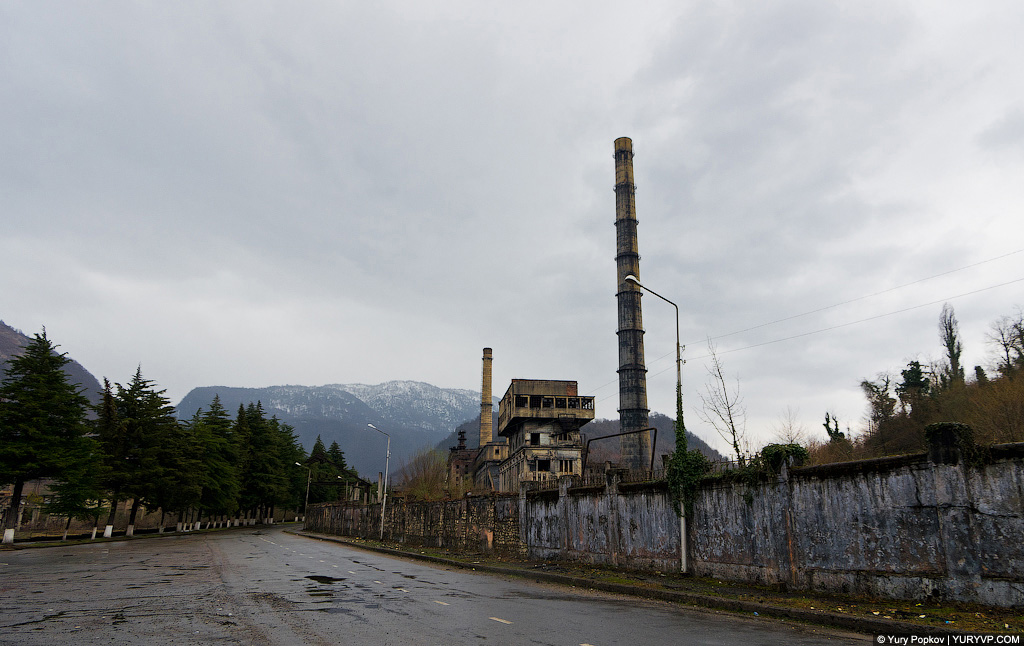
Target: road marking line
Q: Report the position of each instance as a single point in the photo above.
(351, 572)
(441, 602)
(378, 583)
(401, 589)
(504, 621)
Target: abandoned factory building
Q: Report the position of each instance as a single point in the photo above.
(538, 439)
(541, 421)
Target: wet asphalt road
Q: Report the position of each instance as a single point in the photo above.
(264, 586)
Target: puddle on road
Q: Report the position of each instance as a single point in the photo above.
(324, 579)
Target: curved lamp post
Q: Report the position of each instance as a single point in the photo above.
(387, 460)
(679, 354)
(679, 394)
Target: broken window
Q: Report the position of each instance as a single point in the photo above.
(574, 402)
(560, 402)
(534, 401)
(548, 402)
(522, 401)
(588, 403)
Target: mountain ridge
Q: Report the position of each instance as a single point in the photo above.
(414, 414)
(13, 341)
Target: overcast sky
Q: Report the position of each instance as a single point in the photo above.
(255, 194)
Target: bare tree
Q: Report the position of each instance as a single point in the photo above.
(722, 406)
(789, 430)
(1007, 335)
(425, 475)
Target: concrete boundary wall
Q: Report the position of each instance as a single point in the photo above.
(487, 524)
(906, 527)
(621, 524)
(903, 527)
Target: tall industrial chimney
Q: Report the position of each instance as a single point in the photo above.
(486, 402)
(635, 448)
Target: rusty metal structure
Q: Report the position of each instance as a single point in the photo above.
(633, 410)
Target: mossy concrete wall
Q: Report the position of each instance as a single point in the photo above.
(905, 527)
(621, 524)
(487, 524)
(901, 527)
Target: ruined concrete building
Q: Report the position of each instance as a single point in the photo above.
(464, 462)
(539, 427)
(632, 373)
(477, 469)
(541, 420)
(492, 450)
(460, 464)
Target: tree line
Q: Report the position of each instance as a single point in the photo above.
(990, 401)
(131, 446)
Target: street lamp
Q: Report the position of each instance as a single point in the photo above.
(679, 354)
(309, 476)
(387, 461)
(679, 405)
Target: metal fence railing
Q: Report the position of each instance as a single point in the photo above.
(642, 475)
(599, 479)
(721, 466)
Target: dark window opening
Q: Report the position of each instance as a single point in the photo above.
(534, 439)
(534, 401)
(544, 465)
(574, 402)
(522, 401)
(560, 402)
(548, 402)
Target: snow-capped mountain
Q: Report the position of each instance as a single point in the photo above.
(418, 404)
(414, 414)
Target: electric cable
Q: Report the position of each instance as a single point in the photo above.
(841, 325)
(860, 298)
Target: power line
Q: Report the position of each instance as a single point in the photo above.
(864, 320)
(860, 298)
(836, 327)
(841, 325)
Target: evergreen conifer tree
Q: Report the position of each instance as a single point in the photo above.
(143, 444)
(337, 459)
(43, 428)
(321, 472)
(219, 456)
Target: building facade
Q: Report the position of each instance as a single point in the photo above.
(541, 421)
